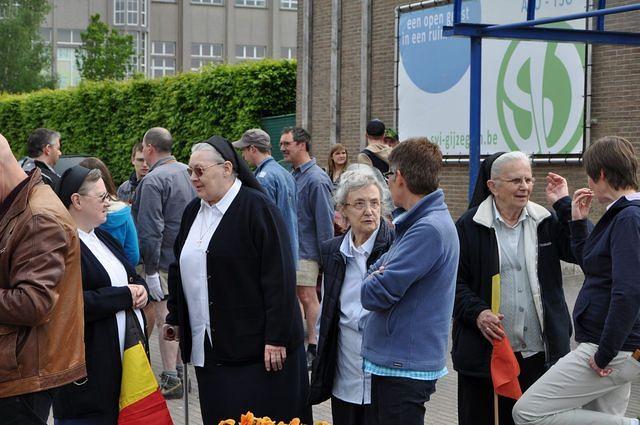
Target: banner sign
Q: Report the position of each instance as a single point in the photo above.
(532, 92)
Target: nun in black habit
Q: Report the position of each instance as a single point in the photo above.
(232, 300)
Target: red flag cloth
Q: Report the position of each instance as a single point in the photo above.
(505, 370)
(150, 410)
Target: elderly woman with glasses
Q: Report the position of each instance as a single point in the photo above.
(111, 287)
(509, 236)
(337, 371)
(232, 301)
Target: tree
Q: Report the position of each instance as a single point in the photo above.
(104, 54)
(24, 58)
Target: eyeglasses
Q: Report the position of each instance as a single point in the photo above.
(529, 181)
(199, 170)
(102, 197)
(389, 174)
(362, 204)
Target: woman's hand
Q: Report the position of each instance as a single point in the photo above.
(489, 325)
(581, 204)
(274, 357)
(138, 295)
(557, 188)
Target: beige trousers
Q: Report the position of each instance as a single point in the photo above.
(571, 393)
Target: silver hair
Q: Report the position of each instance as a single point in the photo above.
(217, 157)
(502, 160)
(357, 176)
(92, 178)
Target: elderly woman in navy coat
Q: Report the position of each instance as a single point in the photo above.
(232, 294)
(337, 370)
(111, 287)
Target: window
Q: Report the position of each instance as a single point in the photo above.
(66, 68)
(289, 4)
(119, 12)
(214, 2)
(163, 58)
(288, 52)
(252, 3)
(134, 61)
(132, 12)
(45, 35)
(143, 53)
(67, 37)
(204, 53)
(250, 52)
(143, 13)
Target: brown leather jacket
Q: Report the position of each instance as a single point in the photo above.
(41, 307)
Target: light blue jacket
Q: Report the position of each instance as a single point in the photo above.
(281, 189)
(120, 225)
(411, 300)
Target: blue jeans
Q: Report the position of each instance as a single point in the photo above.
(399, 400)
(26, 409)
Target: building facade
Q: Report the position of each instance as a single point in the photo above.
(346, 77)
(173, 36)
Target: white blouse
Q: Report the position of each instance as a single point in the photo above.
(193, 269)
(117, 275)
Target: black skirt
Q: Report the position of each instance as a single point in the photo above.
(228, 391)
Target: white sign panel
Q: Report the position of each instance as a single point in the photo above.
(532, 92)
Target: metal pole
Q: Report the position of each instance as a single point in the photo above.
(570, 17)
(457, 12)
(531, 10)
(475, 114)
(601, 5)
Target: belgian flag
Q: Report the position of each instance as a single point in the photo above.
(140, 399)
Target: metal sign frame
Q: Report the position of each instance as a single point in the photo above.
(526, 30)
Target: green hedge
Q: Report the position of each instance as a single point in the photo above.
(106, 119)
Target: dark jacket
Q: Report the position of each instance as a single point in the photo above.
(99, 393)
(608, 305)
(479, 261)
(334, 268)
(251, 282)
(41, 320)
(49, 176)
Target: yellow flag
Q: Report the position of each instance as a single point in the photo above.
(495, 294)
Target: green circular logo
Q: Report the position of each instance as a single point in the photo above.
(539, 96)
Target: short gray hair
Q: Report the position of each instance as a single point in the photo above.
(502, 160)
(92, 178)
(206, 147)
(358, 176)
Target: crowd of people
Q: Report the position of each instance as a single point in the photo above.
(357, 272)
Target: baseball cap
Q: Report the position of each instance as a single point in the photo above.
(375, 128)
(390, 132)
(256, 137)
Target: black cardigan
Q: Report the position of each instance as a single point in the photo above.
(334, 268)
(479, 260)
(251, 282)
(99, 393)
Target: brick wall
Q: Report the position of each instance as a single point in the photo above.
(615, 90)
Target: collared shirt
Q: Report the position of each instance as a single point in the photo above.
(117, 275)
(521, 323)
(351, 383)
(315, 209)
(281, 189)
(193, 268)
(630, 197)
(419, 375)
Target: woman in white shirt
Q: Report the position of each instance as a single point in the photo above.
(111, 287)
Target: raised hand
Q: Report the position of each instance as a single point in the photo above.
(557, 188)
(581, 203)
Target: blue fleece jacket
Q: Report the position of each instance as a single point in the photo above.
(120, 225)
(411, 298)
(607, 310)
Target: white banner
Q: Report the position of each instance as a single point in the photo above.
(532, 92)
